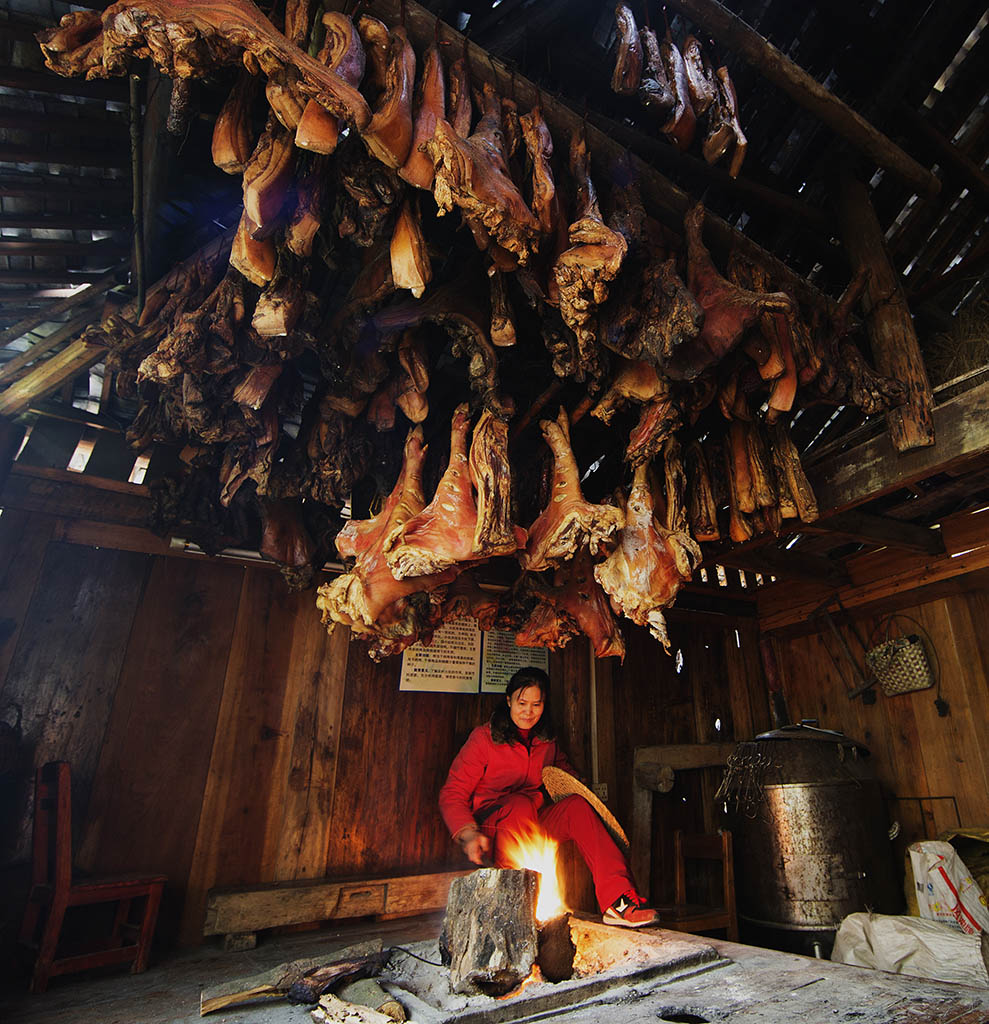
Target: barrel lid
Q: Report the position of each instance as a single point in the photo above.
(808, 729)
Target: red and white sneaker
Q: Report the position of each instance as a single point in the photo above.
(630, 911)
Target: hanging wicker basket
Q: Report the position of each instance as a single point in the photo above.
(900, 663)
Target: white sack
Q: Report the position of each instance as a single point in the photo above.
(946, 891)
(911, 945)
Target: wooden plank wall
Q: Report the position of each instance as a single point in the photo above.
(219, 735)
(934, 770)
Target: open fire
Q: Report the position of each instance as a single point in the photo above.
(537, 852)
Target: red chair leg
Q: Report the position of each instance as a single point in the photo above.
(147, 930)
(48, 946)
(120, 919)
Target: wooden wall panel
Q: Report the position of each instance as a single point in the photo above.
(149, 785)
(255, 808)
(933, 769)
(63, 673)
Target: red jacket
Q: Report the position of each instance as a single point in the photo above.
(484, 771)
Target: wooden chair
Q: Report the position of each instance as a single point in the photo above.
(53, 891)
(684, 916)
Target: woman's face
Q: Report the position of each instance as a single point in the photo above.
(526, 706)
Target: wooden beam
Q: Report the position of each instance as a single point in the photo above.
(893, 338)
(60, 493)
(49, 376)
(50, 124)
(874, 467)
(57, 187)
(51, 276)
(61, 306)
(45, 247)
(962, 164)
(661, 152)
(968, 268)
(10, 370)
(880, 530)
(733, 33)
(65, 221)
(103, 157)
(48, 81)
(770, 561)
(664, 199)
(231, 911)
(883, 576)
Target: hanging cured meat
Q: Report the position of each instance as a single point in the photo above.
(628, 67)
(410, 265)
(644, 573)
(430, 107)
(442, 534)
(568, 522)
(655, 93)
(491, 475)
(388, 136)
(472, 174)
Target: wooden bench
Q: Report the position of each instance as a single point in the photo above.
(240, 913)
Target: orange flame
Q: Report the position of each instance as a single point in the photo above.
(537, 852)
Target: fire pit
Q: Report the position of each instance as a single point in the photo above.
(611, 965)
(500, 959)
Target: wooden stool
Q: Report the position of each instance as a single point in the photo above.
(684, 916)
(53, 890)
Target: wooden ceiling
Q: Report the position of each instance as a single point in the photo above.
(914, 69)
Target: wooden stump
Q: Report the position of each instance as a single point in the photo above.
(489, 934)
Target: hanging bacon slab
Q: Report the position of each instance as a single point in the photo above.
(628, 67)
(702, 82)
(410, 264)
(594, 258)
(654, 92)
(388, 136)
(568, 522)
(442, 534)
(643, 575)
(189, 40)
(702, 508)
(472, 174)
(254, 258)
(728, 310)
(539, 144)
(683, 121)
(268, 175)
(458, 99)
(343, 52)
(233, 139)
(430, 107)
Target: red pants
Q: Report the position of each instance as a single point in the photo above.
(571, 818)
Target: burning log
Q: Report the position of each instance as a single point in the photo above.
(489, 934)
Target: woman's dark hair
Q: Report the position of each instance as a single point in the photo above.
(503, 729)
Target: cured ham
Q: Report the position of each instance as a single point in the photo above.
(682, 122)
(430, 107)
(658, 420)
(539, 144)
(472, 174)
(232, 136)
(343, 52)
(388, 136)
(636, 381)
(190, 40)
(360, 597)
(728, 309)
(491, 475)
(568, 522)
(628, 67)
(643, 575)
(442, 534)
(410, 264)
(502, 321)
(594, 258)
(268, 175)
(655, 93)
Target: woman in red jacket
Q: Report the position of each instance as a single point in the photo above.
(494, 791)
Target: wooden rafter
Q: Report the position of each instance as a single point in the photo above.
(65, 221)
(874, 467)
(729, 30)
(880, 530)
(43, 81)
(102, 157)
(49, 376)
(11, 370)
(771, 561)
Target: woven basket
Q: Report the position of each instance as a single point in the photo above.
(901, 665)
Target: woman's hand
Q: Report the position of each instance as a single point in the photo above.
(475, 844)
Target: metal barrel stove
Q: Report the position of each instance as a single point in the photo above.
(811, 837)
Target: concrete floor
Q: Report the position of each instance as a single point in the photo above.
(758, 987)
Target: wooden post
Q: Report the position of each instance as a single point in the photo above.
(891, 331)
(733, 33)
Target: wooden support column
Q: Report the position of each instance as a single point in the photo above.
(733, 33)
(891, 331)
